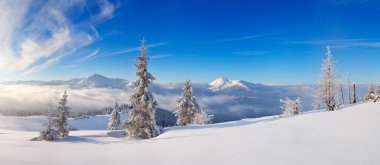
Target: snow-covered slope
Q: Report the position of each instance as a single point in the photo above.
(349, 136)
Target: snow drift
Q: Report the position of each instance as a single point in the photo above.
(347, 136)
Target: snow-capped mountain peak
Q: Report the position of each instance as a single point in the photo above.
(223, 83)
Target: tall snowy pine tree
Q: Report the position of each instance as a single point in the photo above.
(141, 121)
(327, 88)
(63, 114)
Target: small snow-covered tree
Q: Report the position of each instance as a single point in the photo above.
(340, 96)
(349, 89)
(188, 110)
(327, 88)
(371, 93)
(378, 90)
(187, 106)
(48, 133)
(291, 107)
(202, 118)
(141, 118)
(114, 123)
(62, 116)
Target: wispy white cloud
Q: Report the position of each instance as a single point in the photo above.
(245, 37)
(69, 66)
(89, 57)
(342, 43)
(348, 2)
(129, 50)
(35, 35)
(160, 56)
(251, 53)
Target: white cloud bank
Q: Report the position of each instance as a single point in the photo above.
(36, 34)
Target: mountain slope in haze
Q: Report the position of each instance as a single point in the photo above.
(226, 99)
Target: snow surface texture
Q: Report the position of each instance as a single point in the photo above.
(344, 137)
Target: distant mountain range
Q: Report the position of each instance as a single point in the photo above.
(226, 99)
(95, 80)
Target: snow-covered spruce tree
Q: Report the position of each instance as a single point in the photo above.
(187, 106)
(349, 89)
(371, 93)
(340, 92)
(114, 123)
(62, 115)
(48, 133)
(327, 88)
(378, 90)
(291, 107)
(141, 121)
(188, 110)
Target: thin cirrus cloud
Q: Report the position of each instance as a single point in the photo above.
(245, 37)
(342, 43)
(89, 57)
(159, 56)
(129, 50)
(348, 2)
(252, 53)
(41, 33)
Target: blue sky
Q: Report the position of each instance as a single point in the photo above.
(265, 41)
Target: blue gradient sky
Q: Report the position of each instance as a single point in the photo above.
(265, 41)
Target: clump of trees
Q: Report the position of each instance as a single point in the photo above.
(291, 107)
(371, 94)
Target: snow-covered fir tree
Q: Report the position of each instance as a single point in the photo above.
(188, 110)
(291, 107)
(371, 93)
(187, 106)
(349, 89)
(378, 90)
(327, 88)
(62, 115)
(141, 121)
(340, 92)
(48, 133)
(114, 123)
